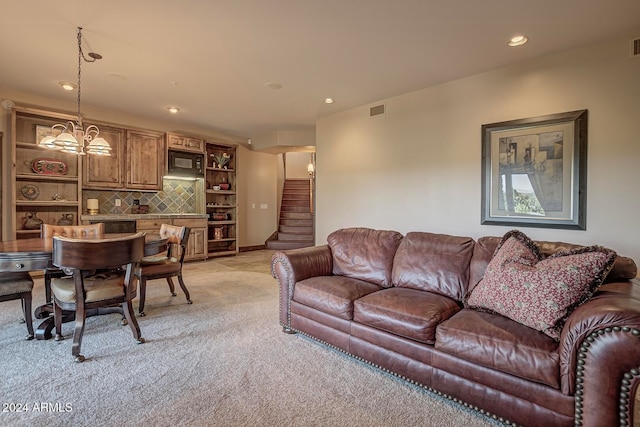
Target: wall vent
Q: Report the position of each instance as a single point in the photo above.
(377, 110)
(634, 48)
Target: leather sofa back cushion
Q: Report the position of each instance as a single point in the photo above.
(433, 262)
(624, 268)
(364, 253)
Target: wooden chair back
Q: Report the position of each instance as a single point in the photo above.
(97, 253)
(177, 238)
(92, 231)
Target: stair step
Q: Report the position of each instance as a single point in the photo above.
(299, 209)
(294, 236)
(284, 245)
(295, 196)
(295, 215)
(296, 222)
(298, 229)
(296, 200)
(286, 205)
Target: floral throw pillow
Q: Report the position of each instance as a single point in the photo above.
(540, 293)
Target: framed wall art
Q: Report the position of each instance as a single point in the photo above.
(534, 171)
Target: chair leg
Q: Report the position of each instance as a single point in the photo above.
(57, 318)
(184, 288)
(81, 317)
(171, 287)
(47, 287)
(26, 310)
(143, 293)
(127, 308)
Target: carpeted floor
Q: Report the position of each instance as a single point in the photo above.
(222, 361)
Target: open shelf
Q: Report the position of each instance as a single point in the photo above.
(221, 234)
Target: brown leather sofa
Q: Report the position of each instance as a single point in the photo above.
(396, 302)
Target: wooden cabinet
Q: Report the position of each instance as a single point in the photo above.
(184, 143)
(137, 161)
(145, 160)
(41, 184)
(107, 172)
(196, 248)
(221, 200)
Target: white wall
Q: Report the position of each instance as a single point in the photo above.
(297, 165)
(418, 167)
(258, 201)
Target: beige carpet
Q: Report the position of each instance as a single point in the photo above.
(222, 361)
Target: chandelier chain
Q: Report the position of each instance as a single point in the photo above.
(80, 58)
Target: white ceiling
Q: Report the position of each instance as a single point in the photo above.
(220, 53)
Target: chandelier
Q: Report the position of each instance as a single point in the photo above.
(72, 137)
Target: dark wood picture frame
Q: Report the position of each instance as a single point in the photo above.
(546, 158)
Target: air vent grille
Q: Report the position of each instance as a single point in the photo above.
(377, 110)
(634, 48)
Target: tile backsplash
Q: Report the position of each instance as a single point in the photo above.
(178, 196)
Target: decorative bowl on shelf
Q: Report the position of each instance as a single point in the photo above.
(30, 192)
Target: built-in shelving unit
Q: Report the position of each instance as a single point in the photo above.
(221, 200)
(47, 184)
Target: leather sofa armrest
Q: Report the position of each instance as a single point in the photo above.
(292, 266)
(600, 354)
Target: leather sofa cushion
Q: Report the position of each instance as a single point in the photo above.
(433, 262)
(332, 294)
(406, 312)
(364, 253)
(502, 344)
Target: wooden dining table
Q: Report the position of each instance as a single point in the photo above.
(33, 254)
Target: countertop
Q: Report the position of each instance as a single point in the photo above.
(133, 217)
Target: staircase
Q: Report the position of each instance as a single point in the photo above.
(295, 228)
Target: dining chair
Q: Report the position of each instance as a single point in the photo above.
(165, 266)
(116, 260)
(48, 231)
(15, 286)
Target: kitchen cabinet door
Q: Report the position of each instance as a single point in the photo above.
(145, 160)
(184, 143)
(107, 172)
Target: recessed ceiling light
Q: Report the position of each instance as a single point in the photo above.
(518, 41)
(329, 101)
(273, 85)
(173, 110)
(67, 85)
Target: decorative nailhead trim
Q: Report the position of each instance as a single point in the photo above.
(629, 378)
(281, 258)
(425, 388)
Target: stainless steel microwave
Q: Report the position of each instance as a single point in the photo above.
(186, 164)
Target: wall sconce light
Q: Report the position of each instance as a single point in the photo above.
(310, 169)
